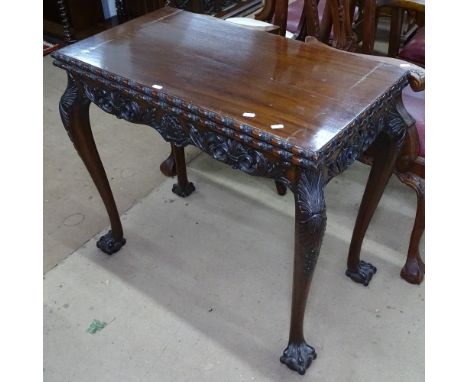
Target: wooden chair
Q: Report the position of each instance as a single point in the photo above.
(413, 49)
(292, 18)
(289, 17)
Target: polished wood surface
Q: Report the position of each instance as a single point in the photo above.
(313, 94)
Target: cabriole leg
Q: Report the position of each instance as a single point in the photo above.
(310, 222)
(74, 110)
(183, 187)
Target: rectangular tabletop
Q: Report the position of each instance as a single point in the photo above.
(229, 70)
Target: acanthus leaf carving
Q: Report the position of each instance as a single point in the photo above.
(114, 103)
(396, 126)
(178, 131)
(236, 154)
(310, 215)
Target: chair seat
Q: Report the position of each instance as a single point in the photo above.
(414, 51)
(414, 104)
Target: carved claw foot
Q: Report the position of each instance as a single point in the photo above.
(364, 273)
(183, 191)
(298, 356)
(413, 271)
(109, 244)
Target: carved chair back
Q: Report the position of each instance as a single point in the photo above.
(407, 19)
(330, 21)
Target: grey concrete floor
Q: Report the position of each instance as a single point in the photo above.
(201, 291)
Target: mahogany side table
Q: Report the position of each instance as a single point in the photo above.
(258, 102)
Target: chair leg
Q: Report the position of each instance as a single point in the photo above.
(414, 268)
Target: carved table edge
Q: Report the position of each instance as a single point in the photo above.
(287, 151)
(71, 64)
(385, 100)
(283, 156)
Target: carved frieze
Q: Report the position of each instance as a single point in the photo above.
(236, 154)
(178, 130)
(171, 116)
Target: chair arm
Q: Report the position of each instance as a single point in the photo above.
(412, 5)
(267, 12)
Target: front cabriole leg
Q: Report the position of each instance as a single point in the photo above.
(74, 110)
(310, 222)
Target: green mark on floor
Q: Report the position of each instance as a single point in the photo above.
(95, 326)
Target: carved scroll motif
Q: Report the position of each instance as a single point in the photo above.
(177, 130)
(235, 154)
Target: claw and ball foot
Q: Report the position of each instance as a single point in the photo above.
(298, 356)
(183, 191)
(183, 187)
(109, 244)
(363, 274)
